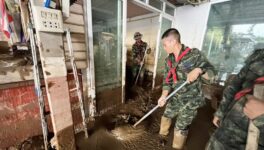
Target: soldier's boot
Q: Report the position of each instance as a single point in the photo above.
(179, 138)
(164, 130)
(163, 140)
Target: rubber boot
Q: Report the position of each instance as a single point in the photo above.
(164, 126)
(179, 138)
(164, 130)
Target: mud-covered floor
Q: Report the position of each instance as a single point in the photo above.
(114, 131)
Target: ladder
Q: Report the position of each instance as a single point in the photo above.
(38, 87)
(77, 83)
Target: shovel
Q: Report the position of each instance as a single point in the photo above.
(141, 66)
(156, 107)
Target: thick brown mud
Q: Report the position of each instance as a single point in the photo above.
(114, 131)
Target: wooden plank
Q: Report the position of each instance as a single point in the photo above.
(76, 47)
(78, 55)
(74, 28)
(54, 70)
(59, 102)
(76, 8)
(54, 67)
(50, 46)
(79, 64)
(75, 19)
(76, 38)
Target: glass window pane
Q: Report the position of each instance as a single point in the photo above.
(166, 24)
(107, 42)
(169, 10)
(234, 30)
(156, 3)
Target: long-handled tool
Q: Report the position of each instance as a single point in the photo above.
(141, 65)
(156, 107)
(38, 90)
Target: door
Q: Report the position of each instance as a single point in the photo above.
(107, 50)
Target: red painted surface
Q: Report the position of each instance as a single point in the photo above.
(76, 114)
(19, 112)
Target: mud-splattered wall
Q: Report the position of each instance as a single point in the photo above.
(19, 112)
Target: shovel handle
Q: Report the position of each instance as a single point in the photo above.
(157, 106)
(141, 66)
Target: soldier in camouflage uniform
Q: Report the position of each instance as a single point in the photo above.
(237, 108)
(138, 49)
(182, 64)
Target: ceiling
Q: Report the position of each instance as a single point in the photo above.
(178, 2)
(134, 10)
(186, 2)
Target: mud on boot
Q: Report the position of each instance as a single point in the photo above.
(164, 130)
(179, 139)
(163, 140)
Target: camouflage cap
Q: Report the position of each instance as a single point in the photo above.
(137, 35)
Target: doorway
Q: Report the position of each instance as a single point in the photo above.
(146, 22)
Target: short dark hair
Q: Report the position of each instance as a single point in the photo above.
(174, 32)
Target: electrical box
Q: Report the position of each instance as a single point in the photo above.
(47, 20)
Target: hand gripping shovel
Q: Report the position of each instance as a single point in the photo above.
(156, 107)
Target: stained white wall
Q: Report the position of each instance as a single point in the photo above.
(148, 26)
(191, 22)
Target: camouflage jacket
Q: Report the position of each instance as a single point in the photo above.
(193, 59)
(253, 69)
(138, 51)
(233, 130)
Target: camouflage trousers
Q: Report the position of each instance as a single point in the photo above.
(185, 109)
